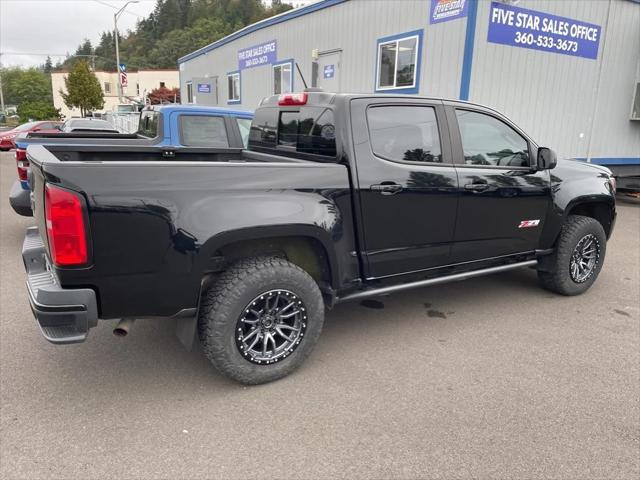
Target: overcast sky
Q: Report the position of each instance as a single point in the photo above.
(31, 29)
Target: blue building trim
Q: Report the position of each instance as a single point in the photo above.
(613, 160)
(291, 62)
(235, 102)
(400, 36)
(467, 59)
(290, 15)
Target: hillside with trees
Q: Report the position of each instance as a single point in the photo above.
(175, 28)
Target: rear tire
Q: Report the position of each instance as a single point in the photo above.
(257, 299)
(578, 257)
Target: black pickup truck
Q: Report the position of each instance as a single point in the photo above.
(338, 197)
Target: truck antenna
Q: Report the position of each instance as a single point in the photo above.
(301, 76)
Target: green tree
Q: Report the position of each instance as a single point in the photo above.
(48, 65)
(83, 89)
(40, 110)
(25, 85)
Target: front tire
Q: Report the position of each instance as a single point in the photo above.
(260, 319)
(578, 257)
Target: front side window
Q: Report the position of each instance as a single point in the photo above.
(282, 78)
(189, 92)
(233, 87)
(404, 133)
(244, 125)
(203, 131)
(398, 63)
(487, 141)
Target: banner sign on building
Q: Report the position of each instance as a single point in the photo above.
(204, 88)
(329, 71)
(264, 54)
(520, 27)
(123, 75)
(445, 10)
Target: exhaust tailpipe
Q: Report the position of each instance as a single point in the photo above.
(123, 327)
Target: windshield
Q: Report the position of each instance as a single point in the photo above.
(100, 124)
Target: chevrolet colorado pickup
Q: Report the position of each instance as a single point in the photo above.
(338, 197)
(167, 126)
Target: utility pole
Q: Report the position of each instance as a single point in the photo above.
(1, 91)
(115, 24)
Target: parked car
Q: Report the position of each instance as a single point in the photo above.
(339, 197)
(167, 127)
(7, 138)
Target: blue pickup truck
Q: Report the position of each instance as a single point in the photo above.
(161, 131)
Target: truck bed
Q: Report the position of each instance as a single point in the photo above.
(156, 223)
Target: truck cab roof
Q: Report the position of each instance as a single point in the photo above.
(172, 108)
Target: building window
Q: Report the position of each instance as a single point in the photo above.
(161, 84)
(137, 89)
(189, 92)
(398, 63)
(107, 87)
(233, 87)
(283, 77)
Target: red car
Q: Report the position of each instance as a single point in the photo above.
(45, 126)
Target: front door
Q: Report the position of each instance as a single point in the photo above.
(502, 200)
(407, 184)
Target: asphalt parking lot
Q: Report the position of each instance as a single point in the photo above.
(491, 377)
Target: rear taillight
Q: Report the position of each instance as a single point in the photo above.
(65, 226)
(22, 163)
(292, 99)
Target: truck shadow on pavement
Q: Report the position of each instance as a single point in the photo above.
(151, 355)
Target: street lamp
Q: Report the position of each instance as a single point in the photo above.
(115, 24)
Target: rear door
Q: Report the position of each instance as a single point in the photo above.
(407, 184)
(328, 73)
(503, 200)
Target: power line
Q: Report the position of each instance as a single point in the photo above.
(116, 8)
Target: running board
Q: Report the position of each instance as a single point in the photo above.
(432, 281)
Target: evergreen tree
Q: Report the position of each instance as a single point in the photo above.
(83, 89)
(48, 65)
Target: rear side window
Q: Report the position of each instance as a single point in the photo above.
(405, 133)
(148, 126)
(203, 131)
(244, 125)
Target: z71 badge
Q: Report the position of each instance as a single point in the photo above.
(529, 223)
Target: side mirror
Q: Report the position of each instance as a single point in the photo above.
(546, 158)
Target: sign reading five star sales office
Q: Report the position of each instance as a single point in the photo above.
(520, 27)
(263, 54)
(445, 10)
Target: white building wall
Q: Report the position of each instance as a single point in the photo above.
(147, 80)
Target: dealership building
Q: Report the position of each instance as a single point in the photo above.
(567, 71)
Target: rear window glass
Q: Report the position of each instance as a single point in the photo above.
(203, 131)
(307, 130)
(263, 128)
(148, 126)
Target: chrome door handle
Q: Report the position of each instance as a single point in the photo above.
(476, 187)
(386, 188)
